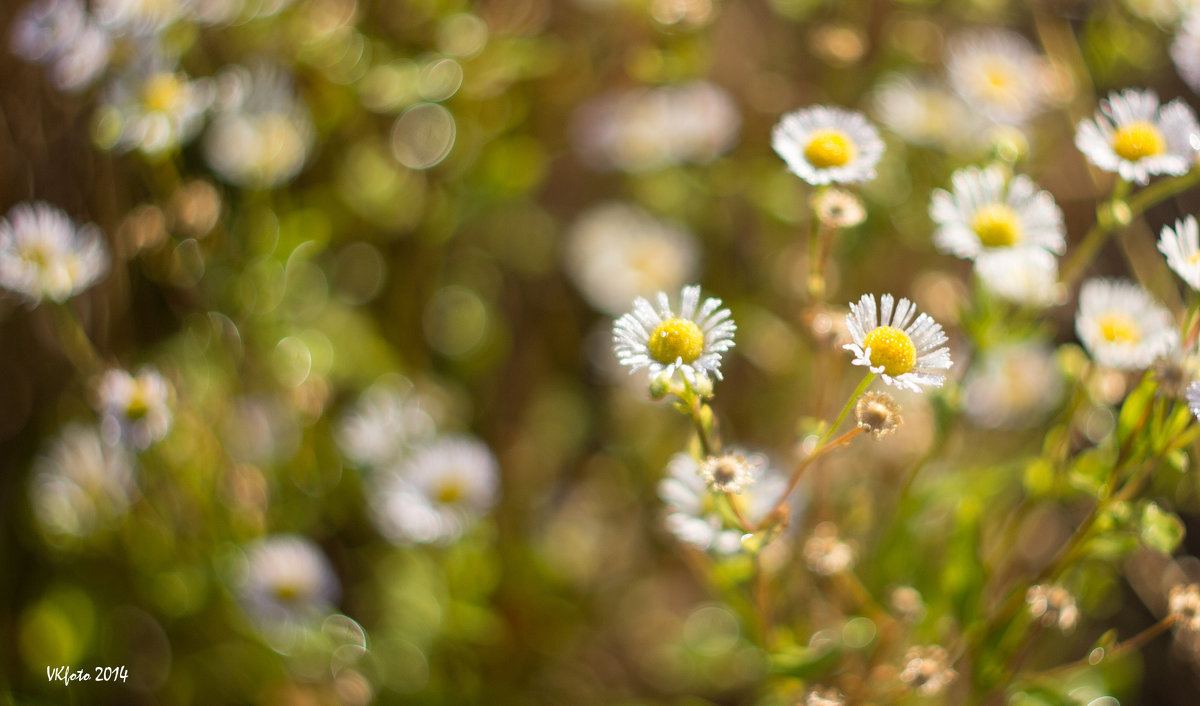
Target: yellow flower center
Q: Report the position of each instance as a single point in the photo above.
(676, 339)
(997, 226)
(1119, 328)
(137, 406)
(1194, 259)
(829, 148)
(1138, 140)
(450, 492)
(892, 349)
(287, 592)
(162, 92)
(998, 80)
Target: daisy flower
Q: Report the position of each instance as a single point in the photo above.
(984, 211)
(824, 144)
(385, 422)
(1025, 275)
(615, 252)
(437, 493)
(731, 472)
(44, 255)
(1013, 386)
(690, 343)
(922, 112)
(1181, 245)
(285, 581)
(896, 343)
(998, 74)
(81, 483)
(155, 107)
(692, 515)
(1185, 50)
(136, 408)
(1122, 326)
(1133, 136)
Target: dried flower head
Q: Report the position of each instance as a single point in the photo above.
(836, 208)
(730, 473)
(927, 669)
(908, 603)
(825, 553)
(878, 413)
(824, 697)
(1054, 606)
(1184, 602)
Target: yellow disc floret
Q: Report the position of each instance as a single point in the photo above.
(162, 92)
(829, 148)
(1138, 140)
(892, 349)
(676, 339)
(1119, 328)
(997, 226)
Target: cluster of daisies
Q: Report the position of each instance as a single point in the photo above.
(425, 486)
(259, 132)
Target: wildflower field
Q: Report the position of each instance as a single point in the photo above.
(599, 352)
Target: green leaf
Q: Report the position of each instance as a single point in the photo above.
(1136, 408)
(1161, 531)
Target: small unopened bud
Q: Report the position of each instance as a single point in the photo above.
(660, 386)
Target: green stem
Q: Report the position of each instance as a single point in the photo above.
(862, 387)
(1116, 650)
(75, 342)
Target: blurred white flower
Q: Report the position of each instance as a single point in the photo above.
(902, 350)
(157, 107)
(923, 112)
(647, 129)
(1185, 50)
(437, 493)
(692, 515)
(984, 212)
(836, 208)
(823, 144)
(1122, 326)
(690, 343)
(80, 484)
(616, 252)
(998, 74)
(825, 553)
(262, 133)
(1132, 136)
(824, 697)
(1023, 275)
(137, 408)
(44, 255)
(1181, 246)
(1184, 606)
(927, 670)
(385, 422)
(1053, 606)
(61, 35)
(285, 583)
(1012, 386)
(137, 18)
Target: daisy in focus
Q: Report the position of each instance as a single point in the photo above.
(1027, 275)
(998, 74)
(690, 342)
(898, 344)
(985, 212)
(1181, 246)
(1134, 137)
(1122, 326)
(136, 408)
(285, 583)
(693, 517)
(44, 255)
(824, 144)
(437, 493)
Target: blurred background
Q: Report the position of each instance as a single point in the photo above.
(461, 198)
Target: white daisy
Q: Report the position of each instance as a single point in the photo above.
(262, 133)
(1025, 275)
(825, 553)
(136, 408)
(43, 30)
(1193, 398)
(998, 74)
(731, 472)
(285, 582)
(824, 144)
(901, 349)
(690, 343)
(928, 670)
(81, 483)
(385, 422)
(1133, 136)
(1185, 50)
(615, 252)
(156, 108)
(1181, 245)
(923, 112)
(1122, 326)
(986, 212)
(437, 493)
(84, 60)
(693, 517)
(44, 255)
(1012, 386)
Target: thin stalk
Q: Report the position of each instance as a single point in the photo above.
(1117, 650)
